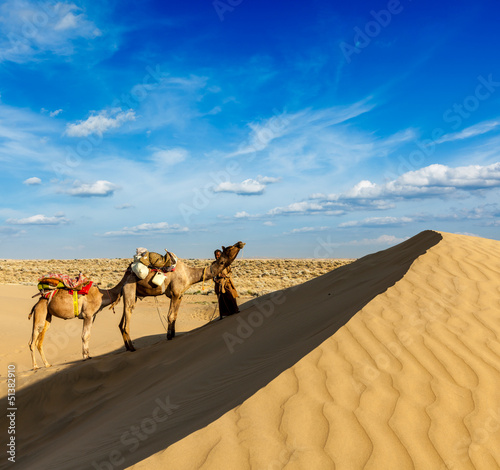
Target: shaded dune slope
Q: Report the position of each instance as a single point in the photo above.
(86, 416)
(411, 382)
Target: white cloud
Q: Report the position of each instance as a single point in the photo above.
(100, 188)
(32, 29)
(39, 219)
(242, 215)
(377, 221)
(169, 157)
(308, 230)
(32, 181)
(245, 188)
(301, 208)
(100, 123)
(55, 113)
(432, 181)
(472, 131)
(148, 228)
(267, 179)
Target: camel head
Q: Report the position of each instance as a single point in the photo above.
(228, 255)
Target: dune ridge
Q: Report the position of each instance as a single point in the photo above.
(389, 362)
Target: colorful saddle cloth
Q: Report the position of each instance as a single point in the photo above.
(52, 281)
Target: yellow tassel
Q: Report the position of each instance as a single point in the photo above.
(75, 302)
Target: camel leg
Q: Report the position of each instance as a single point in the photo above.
(87, 326)
(125, 326)
(39, 343)
(40, 313)
(175, 303)
(129, 299)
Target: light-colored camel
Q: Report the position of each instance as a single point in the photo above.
(174, 286)
(61, 306)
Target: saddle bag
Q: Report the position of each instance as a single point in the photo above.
(158, 278)
(140, 270)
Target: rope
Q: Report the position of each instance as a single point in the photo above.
(215, 309)
(203, 283)
(160, 315)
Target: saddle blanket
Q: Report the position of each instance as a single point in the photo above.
(54, 280)
(84, 291)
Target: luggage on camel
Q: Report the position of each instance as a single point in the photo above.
(155, 260)
(144, 261)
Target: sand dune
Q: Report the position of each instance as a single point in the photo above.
(391, 362)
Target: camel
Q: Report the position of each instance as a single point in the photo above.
(174, 286)
(61, 306)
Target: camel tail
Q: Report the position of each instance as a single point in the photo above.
(32, 310)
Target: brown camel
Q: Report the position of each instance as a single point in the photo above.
(61, 306)
(174, 286)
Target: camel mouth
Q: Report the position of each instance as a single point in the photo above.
(240, 245)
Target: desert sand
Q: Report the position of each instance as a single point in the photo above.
(390, 362)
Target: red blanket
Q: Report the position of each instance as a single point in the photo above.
(84, 290)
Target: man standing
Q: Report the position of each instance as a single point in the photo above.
(225, 290)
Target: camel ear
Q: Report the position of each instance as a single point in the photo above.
(223, 248)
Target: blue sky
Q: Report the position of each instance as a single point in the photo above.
(306, 129)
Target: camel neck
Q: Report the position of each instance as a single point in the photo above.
(109, 296)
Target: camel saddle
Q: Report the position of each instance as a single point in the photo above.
(51, 282)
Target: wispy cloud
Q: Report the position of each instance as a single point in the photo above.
(32, 29)
(472, 131)
(307, 230)
(388, 240)
(100, 123)
(378, 222)
(39, 219)
(169, 156)
(264, 132)
(100, 188)
(148, 228)
(124, 206)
